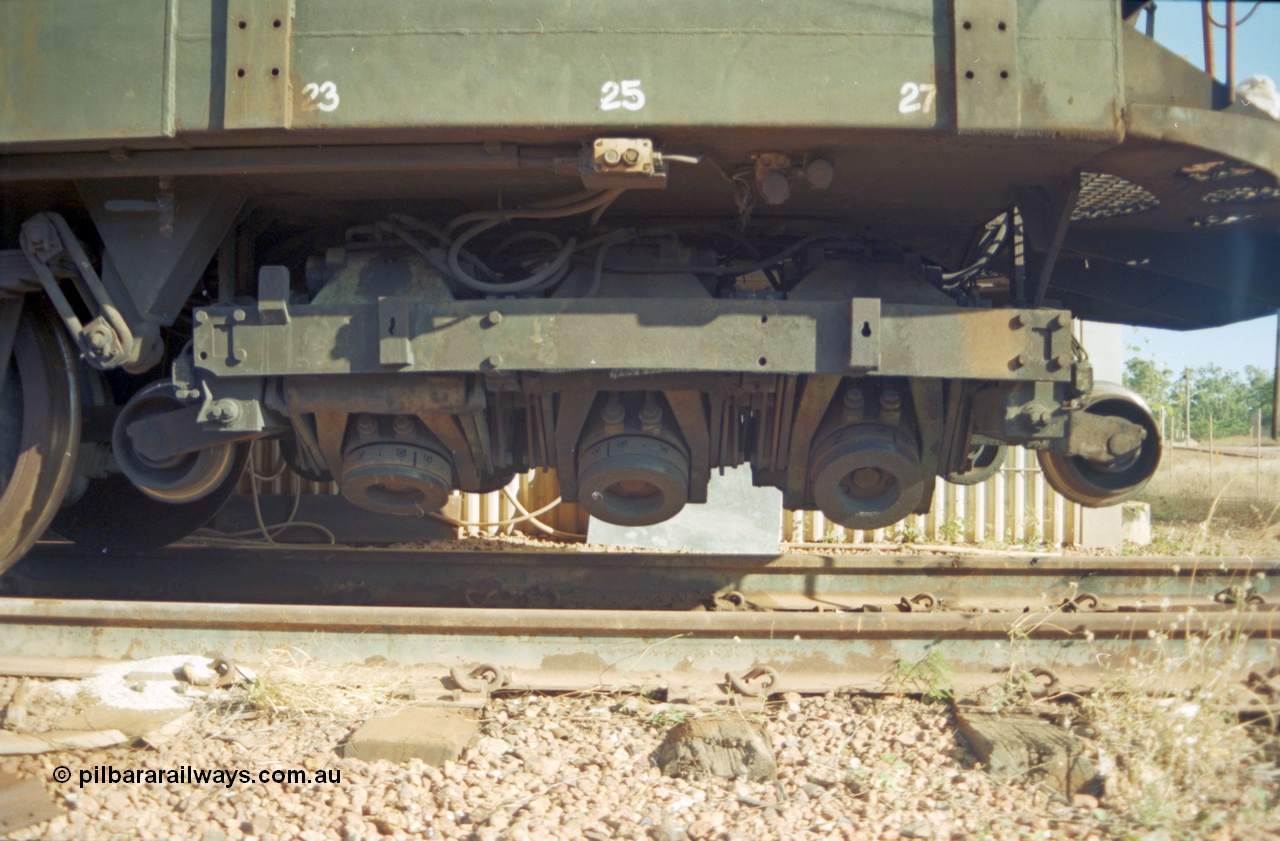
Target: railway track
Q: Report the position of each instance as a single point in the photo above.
(683, 623)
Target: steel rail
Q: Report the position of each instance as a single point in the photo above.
(575, 649)
(592, 580)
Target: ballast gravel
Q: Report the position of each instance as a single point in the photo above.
(564, 767)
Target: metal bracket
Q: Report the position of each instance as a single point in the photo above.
(105, 340)
(259, 46)
(474, 686)
(919, 603)
(152, 260)
(628, 162)
(1101, 438)
(743, 694)
(273, 295)
(168, 435)
(988, 96)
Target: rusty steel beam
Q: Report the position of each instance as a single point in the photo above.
(565, 649)
(770, 337)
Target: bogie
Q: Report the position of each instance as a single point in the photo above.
(854, 289)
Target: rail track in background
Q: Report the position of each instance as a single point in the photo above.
(682, 622)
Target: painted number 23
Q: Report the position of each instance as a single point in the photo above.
(911, 101)
(624, 94)
(323, 96)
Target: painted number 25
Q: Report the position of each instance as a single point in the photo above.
(323, 96)
(911, 98)
(624, 94)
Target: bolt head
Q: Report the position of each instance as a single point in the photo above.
(202, 317)
(494, 361)
(238, 315)
(97, 340)
(612, 157)
(366, 424)
(820, 173)
(775, 187)
(1022, 360)
(225, 411)
(241, 354)
(495, 317)
(631, 156)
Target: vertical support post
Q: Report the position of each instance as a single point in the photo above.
(1257, 463)
(1186, 387)
(1059, 517)
(1042, 515)
(1212, 454)
(1020, 496)
(1275, 388)
(1206, 27)
(1231, 50)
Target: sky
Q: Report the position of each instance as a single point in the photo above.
(1178, 28)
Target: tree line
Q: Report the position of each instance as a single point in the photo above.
(1230, 397)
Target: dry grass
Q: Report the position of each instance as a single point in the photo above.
(1202, 475)
(1164, 731)
(293, 686)
(1195, 526)
(1234, 512)
(1184, 760)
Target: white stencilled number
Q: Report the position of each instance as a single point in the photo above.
(323, 96)
(911, 102)
(625, 94)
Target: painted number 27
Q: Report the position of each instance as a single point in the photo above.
(911, 98)
(624, 94)
(323, 96)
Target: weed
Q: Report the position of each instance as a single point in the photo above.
(952, 531)
(931, 677)
(909, 531)
(667, 717)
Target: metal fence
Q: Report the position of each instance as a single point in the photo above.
(1236, 468)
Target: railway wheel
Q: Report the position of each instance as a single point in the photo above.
(1095, 484)
(39, 431)
(113, 515)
